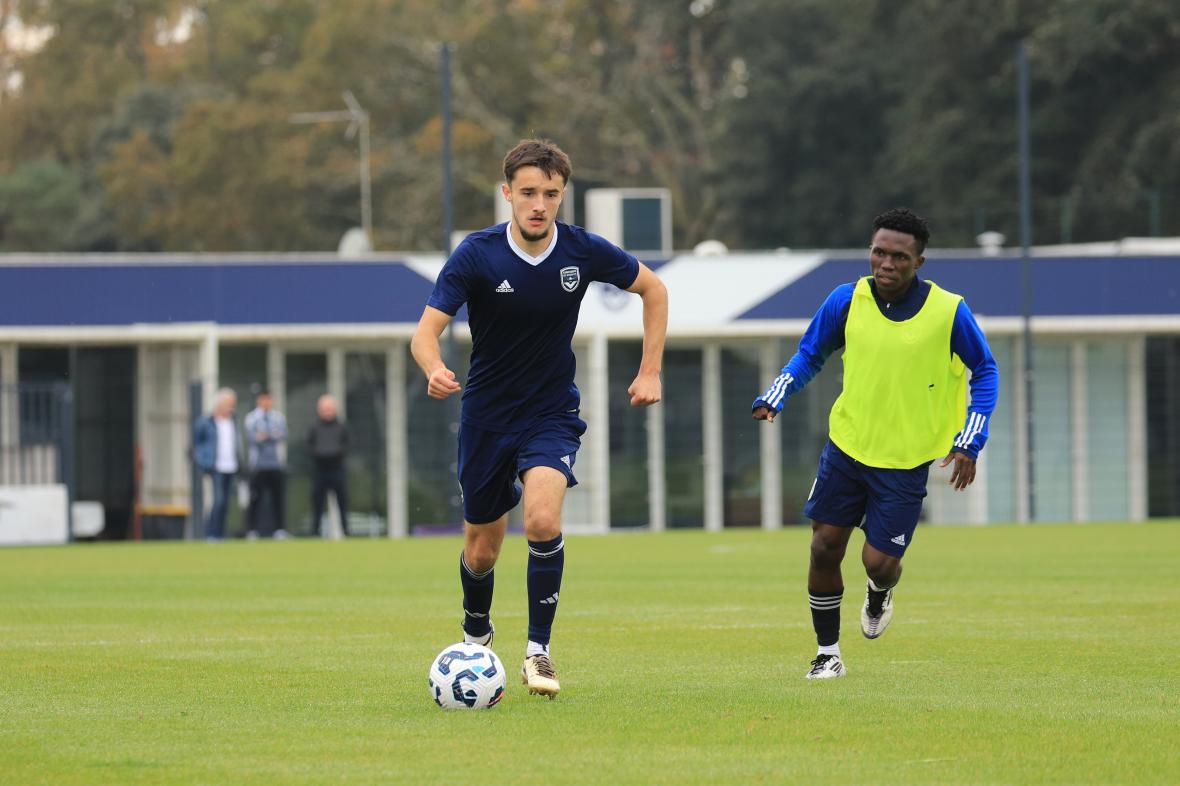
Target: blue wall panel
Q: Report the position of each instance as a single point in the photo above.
(230, 294)
(328, 292)
(1062, 286)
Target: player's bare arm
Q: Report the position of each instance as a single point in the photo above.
(647, 388)
(963, 475)
(440, 380)
(764, 413)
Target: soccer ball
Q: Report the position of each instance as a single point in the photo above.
(466, 676)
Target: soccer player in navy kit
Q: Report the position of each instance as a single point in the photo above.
(523, 283)
(907, 344)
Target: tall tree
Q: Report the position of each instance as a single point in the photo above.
(39, 205)
(773, 124)
(804, 143)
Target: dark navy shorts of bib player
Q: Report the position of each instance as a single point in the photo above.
(491, 462)
(888, 501)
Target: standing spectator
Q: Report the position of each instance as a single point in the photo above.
(217, 452)
(327, 441)
(266, 434)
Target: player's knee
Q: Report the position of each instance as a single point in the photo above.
(542, 525)
(480, 556)
(826, 554)
(885, 571)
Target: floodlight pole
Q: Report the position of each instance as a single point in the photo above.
(450, 348)
(444, 67)
(1026, 273)
(358, 121)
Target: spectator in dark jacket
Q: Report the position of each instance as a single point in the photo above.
(327, 442)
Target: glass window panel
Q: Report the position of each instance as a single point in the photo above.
(684, 437)
(642, 226)
(39, 365)
(1163, 425)
(104, 416)
(803, 426)
(432, 474)
(999, 454)
(1052, 432)
(364, 374)
(43, 364)
(628, 439)
(242, 369)
(1106, 429)
(306, 381)
(741, 452)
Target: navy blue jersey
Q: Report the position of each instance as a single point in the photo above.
(522, 314)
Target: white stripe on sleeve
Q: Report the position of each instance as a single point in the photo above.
(975, 424)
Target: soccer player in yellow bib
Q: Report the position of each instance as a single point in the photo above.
(907, 346)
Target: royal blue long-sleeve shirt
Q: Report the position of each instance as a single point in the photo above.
(825, 335)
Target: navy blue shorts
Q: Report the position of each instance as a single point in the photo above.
(888, 501)
(490, 462)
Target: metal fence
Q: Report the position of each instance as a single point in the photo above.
(37, 432)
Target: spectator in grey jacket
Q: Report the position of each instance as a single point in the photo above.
(266, 434)
(327, 442)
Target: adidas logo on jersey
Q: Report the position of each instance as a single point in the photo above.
(505, 287)
(899, 540)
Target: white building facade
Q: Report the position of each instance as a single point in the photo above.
(132, 334)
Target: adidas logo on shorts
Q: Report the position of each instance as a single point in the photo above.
(899, 540)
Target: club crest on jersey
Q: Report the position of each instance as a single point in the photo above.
(570, 278)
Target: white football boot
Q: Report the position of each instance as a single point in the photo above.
(537, 672)
(826, 667)
(871, 625)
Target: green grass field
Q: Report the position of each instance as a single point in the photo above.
(1022, 655)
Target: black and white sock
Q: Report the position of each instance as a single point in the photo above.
(825, 618)
(477, 599)
(876, 597)
(546, 565)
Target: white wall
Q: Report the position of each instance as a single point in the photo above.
(33, 515)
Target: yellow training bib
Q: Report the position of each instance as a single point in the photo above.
(905, 393)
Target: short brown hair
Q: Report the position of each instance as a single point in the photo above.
(541, 153)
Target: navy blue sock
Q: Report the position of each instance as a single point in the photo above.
(546, 563)
(477, 599)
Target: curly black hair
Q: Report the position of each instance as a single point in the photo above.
(902, 219)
